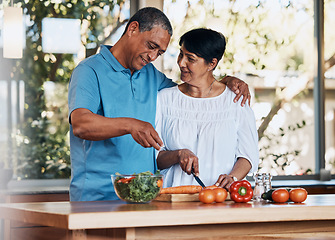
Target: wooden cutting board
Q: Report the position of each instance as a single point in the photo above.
(180, 197)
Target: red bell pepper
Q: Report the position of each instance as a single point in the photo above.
(241, 191)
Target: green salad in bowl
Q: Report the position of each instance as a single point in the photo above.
(137, 188)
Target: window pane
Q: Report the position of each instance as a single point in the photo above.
(34, 121)
(330, 84)
(270, 46)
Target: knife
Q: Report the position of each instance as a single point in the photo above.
(198, 179)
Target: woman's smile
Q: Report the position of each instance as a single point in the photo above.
(184, 73)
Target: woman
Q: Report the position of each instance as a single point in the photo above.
(202, 128)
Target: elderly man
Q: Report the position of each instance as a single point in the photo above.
(112, 105)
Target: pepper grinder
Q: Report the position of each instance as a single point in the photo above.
(259, 187)
(267, 181)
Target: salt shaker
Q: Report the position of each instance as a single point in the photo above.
(259, 187)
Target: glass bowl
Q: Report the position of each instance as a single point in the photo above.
(137, 188)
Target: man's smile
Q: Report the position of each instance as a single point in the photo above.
(145, 62)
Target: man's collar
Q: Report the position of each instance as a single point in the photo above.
(105, 52)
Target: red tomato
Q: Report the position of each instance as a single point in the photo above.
(207, 196)
(298, 195)
(280, 195)
(220, 194)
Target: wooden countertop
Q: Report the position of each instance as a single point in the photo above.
(117, 214)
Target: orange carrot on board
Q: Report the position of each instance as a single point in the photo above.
(187, 189)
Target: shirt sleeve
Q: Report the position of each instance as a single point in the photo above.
(83, 90)
(247, 136)
(166, 82)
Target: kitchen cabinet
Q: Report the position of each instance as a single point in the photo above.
(181, 220)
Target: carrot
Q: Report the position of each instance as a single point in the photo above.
(125, 180)
(188, 189)
(159, 183)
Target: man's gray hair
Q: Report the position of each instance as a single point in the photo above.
(150, 17)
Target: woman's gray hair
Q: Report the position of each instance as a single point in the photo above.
(150, 17)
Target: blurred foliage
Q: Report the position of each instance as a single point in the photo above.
(43, 137)
(261, 35)
(276, 159)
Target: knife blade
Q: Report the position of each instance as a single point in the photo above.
(198, 179)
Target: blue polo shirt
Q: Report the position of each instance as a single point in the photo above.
(103, 86)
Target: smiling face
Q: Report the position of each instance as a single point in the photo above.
(191, 66)
(144, 47)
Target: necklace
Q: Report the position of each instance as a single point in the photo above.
(210, 89)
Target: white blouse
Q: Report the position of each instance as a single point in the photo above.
(217, 130)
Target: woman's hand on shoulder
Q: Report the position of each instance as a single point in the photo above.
(239, 87)
(188, 160)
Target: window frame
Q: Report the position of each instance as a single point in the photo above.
(319, 103)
